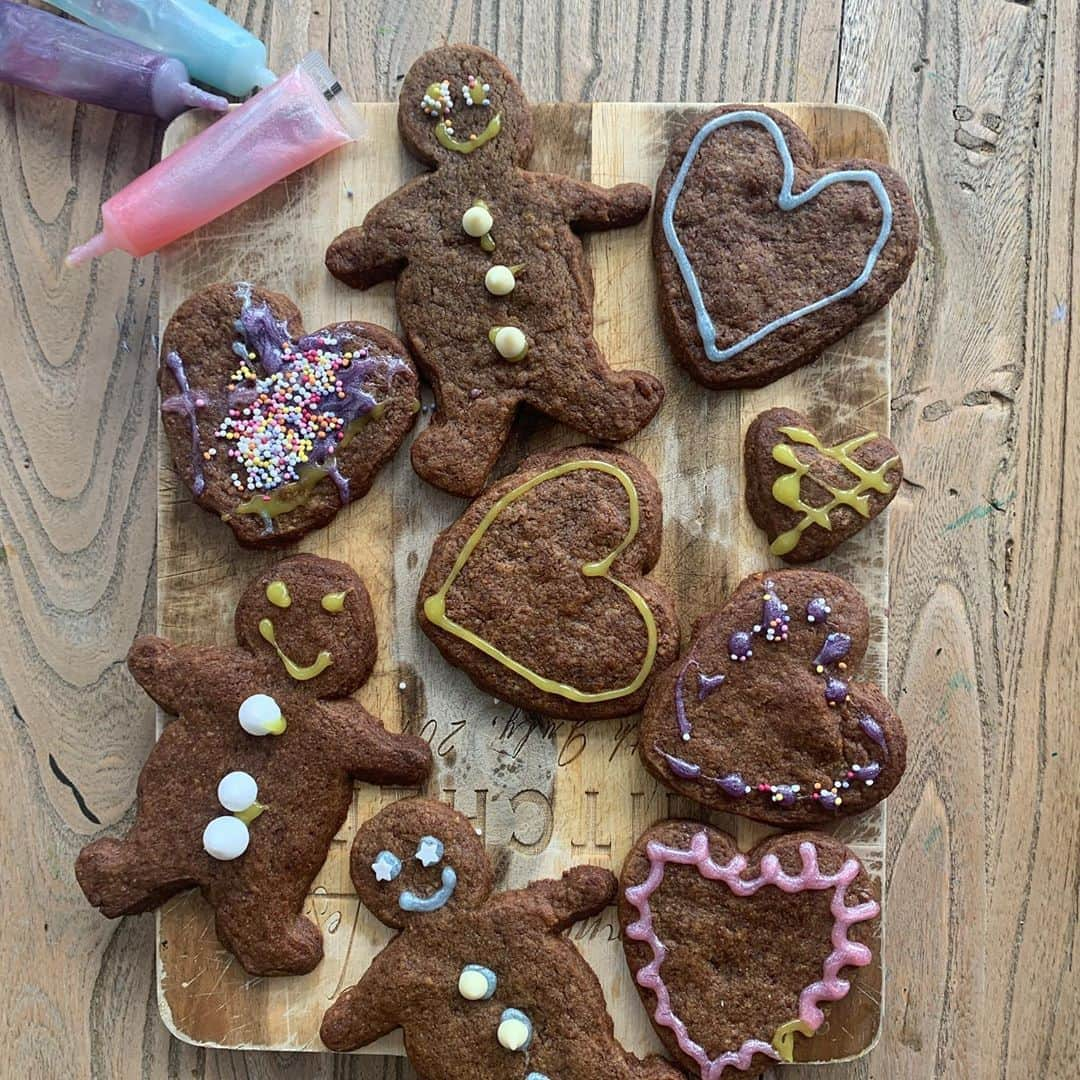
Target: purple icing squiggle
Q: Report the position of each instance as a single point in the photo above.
(845, 952)
(682, 769)
(265, 335)
(185, 403)
(872, 729)
(708, 684)
(834, 649)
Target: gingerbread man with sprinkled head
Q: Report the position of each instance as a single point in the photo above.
(493, 287)
(482, 984)
(245, 790)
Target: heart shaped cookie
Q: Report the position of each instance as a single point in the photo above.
(808, 496)
(735, 955)
(274, 429)
(765, 257)
(761, 717)
(538, 591)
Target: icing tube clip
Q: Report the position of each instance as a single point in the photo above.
(298, 119)
(57, 56)
(216, 50)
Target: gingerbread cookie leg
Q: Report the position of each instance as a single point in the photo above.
(267, 936)
(365, 1012)
(465, 437)
(120, 877)
(584, 393)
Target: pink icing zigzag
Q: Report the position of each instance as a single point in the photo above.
(830, 987)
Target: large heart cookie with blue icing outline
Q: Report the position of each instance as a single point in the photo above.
(538, 592)
(766, 256)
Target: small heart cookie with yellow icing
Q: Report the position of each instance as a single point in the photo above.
(810, 494)
(538, 592)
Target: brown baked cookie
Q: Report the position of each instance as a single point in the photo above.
(810, 497)
(762, 717)
(482, 985)
(272, 428)
(538, 591)
(247, 787)
(493, 287)
(734, 955)
(759, 272)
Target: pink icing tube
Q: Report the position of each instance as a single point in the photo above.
(299, 118)
(845, 952)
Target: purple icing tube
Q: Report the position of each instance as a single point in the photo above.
(57, 56)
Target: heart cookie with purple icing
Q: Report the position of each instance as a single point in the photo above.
(270, 427)
(738, 958)
(809, 497)
(762, 716)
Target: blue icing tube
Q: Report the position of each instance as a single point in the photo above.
(786, 200)
(409, 901)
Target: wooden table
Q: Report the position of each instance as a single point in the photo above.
(981, 103)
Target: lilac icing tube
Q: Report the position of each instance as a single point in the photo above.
(57, 56)
(298, 119)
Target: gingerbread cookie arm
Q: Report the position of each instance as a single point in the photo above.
(377, 250)
(177, 676)
(581, 891)
(370, 1009)
(360, 744)
(591, 208)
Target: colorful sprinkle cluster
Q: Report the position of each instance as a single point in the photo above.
(475, 92)
(437, 100)
(293, 416)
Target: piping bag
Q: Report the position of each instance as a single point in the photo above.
(216, 50)
(301, 117)
(57, 56)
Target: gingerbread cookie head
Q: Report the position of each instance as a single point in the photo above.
(309, 621)
(763, 717)
(462, 108)
(271, 428)
(417, 857)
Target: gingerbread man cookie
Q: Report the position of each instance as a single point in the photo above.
(243, 792)
(493, 287)
(482, 985)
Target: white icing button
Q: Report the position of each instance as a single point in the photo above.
(261, 715)
(476, 983)
(237, 791)
(477, 221)
(510, 342)
(225, 838)
(513, 1033)
(500, 280)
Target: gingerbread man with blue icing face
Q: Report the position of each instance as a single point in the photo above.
(245, 790)
(483, 985)
(493, 287)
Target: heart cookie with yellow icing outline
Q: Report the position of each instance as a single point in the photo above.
(809, 495)
(538, 592)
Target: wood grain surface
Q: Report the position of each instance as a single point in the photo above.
(980, 98)
(545, 794)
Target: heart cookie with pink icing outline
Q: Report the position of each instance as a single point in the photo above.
(740, 960)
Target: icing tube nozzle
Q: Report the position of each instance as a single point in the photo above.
(297, 119)
(197, 98)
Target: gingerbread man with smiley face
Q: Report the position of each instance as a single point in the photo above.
(482, 985)
(493, 287)
(245, 790)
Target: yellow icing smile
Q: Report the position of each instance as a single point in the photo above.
(298, 671)
(467, 146)
(435, 605)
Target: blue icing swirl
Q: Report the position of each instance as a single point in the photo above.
(409, 901)
(786, 200)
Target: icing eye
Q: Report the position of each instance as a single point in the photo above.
(386, 866)
(430, 850)
(476, 92)
(334, 602)
(437, 100)
(277, 592)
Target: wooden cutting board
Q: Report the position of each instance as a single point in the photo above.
(544, 794)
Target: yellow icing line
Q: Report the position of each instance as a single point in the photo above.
(435, 605)
(783, 1040)
(298, 672)
(787, 489)
(467, 146)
